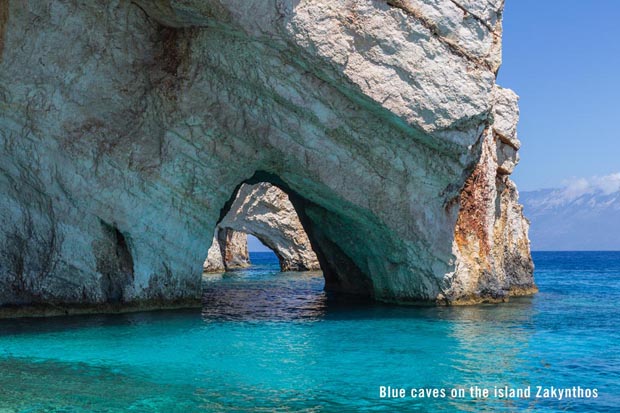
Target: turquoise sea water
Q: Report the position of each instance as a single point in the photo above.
(267, 341)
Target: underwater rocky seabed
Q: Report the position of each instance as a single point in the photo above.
(276, 342)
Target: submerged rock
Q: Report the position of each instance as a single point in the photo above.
(126, 128)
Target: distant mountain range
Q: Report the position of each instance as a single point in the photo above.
(584, 215)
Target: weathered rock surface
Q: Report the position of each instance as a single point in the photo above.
(126, 127)
(215, 260)
(228, 251)
(234, 248)
(266, 212)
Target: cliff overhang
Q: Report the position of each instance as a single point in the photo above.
(380, 120)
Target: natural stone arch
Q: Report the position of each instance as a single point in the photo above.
(382, 123)
(265, 211)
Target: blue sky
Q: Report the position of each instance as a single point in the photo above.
(563, 60)
(255, 245)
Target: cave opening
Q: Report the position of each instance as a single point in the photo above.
(114, 262)
(260, 224)
(296, 229)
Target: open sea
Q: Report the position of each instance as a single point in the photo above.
(275, 342)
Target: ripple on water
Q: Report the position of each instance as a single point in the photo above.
(272, 342)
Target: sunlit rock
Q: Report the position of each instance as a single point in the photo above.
(127, 127)
(266, 212)
(214, 261)
(229, 251)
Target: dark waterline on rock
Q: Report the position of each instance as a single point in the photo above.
(270, 341)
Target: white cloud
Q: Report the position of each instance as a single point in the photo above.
(577, 187)
(609, 184)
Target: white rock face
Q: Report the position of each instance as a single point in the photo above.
(229, 251)
(266, 212)
(215, 260)
(125, 129)
(234, 245)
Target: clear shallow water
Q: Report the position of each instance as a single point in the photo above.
(267, 342)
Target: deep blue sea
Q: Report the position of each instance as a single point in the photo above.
(272, 342)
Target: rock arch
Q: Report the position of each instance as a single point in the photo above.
(265, 211)
(381, 121)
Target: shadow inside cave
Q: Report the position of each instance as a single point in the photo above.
(265, 207)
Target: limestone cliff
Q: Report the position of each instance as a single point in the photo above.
(127, 127)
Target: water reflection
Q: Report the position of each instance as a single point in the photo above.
(255, 294)
(246, 296)
(309, 352)
(492, 346)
